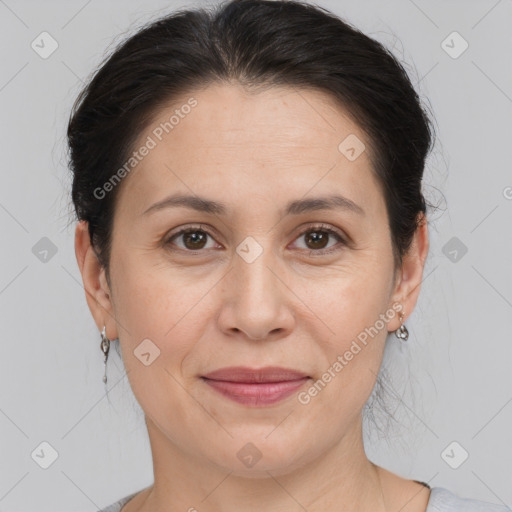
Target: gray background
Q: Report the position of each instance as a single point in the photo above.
(450, 383)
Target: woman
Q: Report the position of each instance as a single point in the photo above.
(251, 228)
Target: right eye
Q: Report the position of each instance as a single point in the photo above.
(194, 239)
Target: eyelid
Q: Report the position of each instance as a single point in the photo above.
(342, 239)
(190, 228)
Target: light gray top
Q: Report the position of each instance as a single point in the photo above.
(441, 500)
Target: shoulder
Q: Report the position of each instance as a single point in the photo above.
(116, 507)
(443, 500)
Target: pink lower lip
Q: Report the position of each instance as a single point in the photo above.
(262, 393)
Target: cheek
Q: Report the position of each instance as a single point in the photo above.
(157, 318)
(150, 305)
(347, 299)
(351, 357)
(351, 306)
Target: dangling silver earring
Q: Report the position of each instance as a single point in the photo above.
(402, 333)
(105, 347)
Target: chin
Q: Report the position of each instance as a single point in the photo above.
(260, 457)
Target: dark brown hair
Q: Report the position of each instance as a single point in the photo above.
(257, 43)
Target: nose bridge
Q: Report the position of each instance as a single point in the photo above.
(253, 263)
(256, 297)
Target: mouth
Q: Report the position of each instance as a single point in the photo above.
(255, 387)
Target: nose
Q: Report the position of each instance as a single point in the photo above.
(256, 303)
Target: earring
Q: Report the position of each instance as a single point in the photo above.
(105, 347)
(402, 333)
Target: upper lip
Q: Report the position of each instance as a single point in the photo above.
(251, 375)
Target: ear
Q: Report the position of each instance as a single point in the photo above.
(410, 275)
(97, 291)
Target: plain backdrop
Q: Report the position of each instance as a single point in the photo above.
(450, 386)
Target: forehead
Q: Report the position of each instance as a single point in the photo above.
(277, 144)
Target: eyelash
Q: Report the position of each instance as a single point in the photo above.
(312, 252)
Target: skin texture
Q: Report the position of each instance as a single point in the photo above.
(254, 152)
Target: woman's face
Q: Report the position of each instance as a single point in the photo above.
(260, 283)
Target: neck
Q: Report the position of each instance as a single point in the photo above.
(341, 479)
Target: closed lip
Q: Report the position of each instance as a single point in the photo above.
(255, 375)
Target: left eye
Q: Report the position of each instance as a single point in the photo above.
(194, 239)
(318, 237)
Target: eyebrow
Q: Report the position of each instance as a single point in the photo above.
(297, 207)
